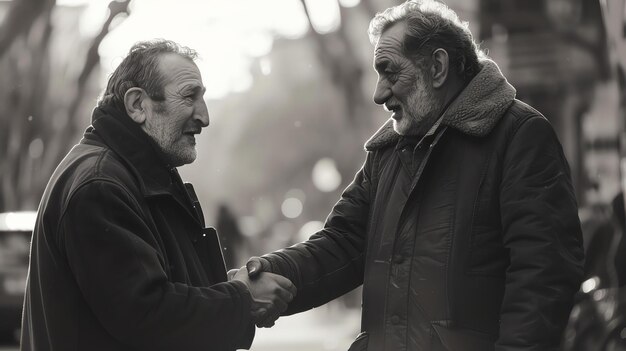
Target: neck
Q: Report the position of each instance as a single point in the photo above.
(454, 87)
(448, 96)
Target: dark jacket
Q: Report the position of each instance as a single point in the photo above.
(486, 249)
(120, 258)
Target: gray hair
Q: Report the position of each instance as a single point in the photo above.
(431, 25)
(140, 68)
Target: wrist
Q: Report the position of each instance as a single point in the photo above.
(243, 288)
(266, 265)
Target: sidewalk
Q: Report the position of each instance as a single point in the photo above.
(326, 328)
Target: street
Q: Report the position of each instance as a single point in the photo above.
(326, 328)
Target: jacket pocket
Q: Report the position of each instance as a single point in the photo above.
(360, 343)
(455, 339)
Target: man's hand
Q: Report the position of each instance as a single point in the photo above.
(255, 266)
(231, 274)
(270, 295)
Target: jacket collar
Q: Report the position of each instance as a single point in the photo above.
(475, 111)
(131, 143)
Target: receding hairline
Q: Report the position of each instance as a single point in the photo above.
(162, 57)
(431, 24)
(403, 26)
(388, 26)
(141, 68)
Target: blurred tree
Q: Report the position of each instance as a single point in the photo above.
(43, 93)
(370, 8)
(315, 104)
(21, 17)
(337, 55)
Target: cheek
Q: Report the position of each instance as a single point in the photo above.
(404, 86)
(182, 110)
(177, 115)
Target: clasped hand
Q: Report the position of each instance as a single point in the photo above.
(270, 294)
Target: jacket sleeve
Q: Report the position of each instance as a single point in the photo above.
(541, 231)
(331, 262)
(122, 279)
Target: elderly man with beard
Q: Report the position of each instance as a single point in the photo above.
(462, 223)
(121, 258)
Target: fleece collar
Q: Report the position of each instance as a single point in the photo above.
(475, 111)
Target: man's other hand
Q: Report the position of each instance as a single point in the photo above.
(271, 293)
(256, 265)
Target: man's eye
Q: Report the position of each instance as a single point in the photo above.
(389, 73)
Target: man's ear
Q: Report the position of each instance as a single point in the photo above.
(440, 67)
(133, 101)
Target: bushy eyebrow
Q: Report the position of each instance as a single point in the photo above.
(195, 89)
(381, 65)
(201, 89)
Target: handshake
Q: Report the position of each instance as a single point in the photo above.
(271, 293)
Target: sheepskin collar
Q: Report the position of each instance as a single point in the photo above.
(475, 111)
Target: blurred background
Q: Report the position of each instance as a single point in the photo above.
(289, 85)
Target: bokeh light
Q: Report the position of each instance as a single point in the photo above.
(35, 149)
(325, 175)
(249, 226)
(291, 207)
(308, 229)
(18, 220)
(590, 285)
(324, 14)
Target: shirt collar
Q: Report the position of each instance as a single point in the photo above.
(415, 141)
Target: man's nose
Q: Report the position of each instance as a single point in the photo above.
(201, 113)
(382, 93)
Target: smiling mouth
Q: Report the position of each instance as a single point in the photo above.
(394, 112)
(391, 107)
(191, 136)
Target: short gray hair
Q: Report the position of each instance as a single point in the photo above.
(430, 25)
(140, 68)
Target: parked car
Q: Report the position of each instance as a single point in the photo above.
(15, 235)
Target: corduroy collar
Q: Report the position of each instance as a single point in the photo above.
(475, 111)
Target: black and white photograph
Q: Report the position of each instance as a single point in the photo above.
(312, 175)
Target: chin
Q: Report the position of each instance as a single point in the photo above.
(182, 157)
(400, 128)
(189, 158)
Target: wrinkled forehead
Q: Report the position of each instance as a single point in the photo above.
(178, 69)
(391, 38)
(390, 41)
